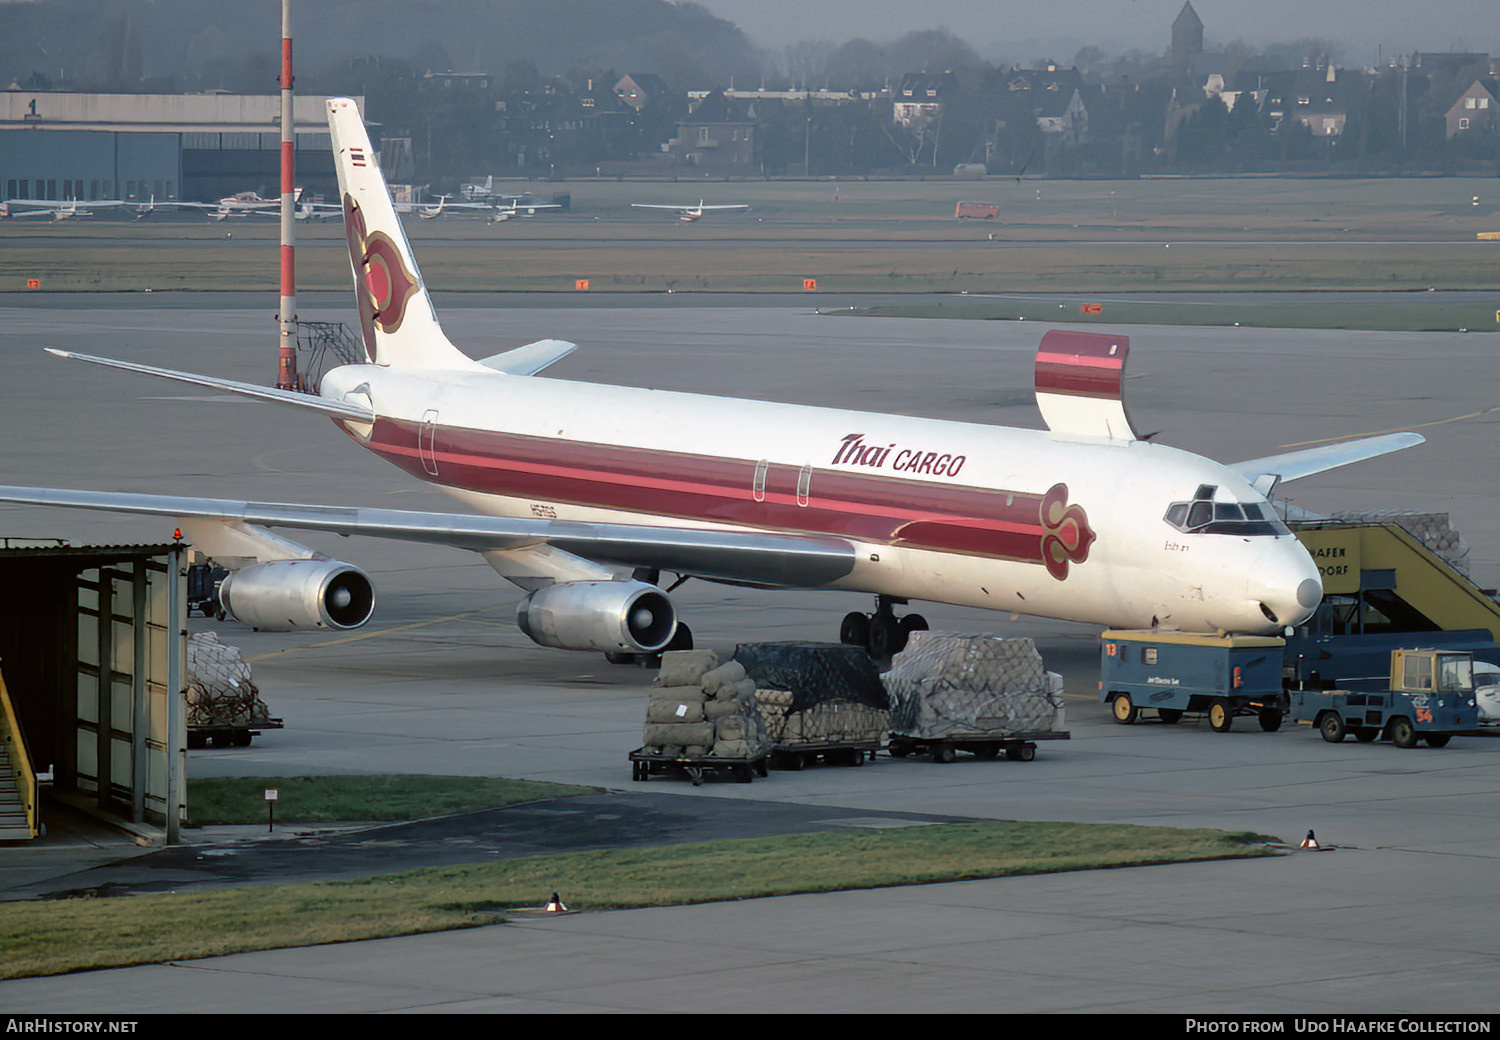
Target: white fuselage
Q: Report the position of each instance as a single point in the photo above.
(944, 511)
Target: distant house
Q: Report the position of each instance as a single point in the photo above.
(919, 99)
(639, 89)
(1475, 109)
(1321, 98)
(1051, 97)
(717, 135)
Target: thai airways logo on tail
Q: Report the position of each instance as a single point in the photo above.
(386, 284)
(395, 313)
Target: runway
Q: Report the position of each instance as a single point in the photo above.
(442, 682)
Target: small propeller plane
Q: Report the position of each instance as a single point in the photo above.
(688, 214)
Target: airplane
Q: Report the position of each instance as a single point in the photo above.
(688, 214)
(584, 494)
(251, 204)
(57, 210)
(513, 205)
(495, 212)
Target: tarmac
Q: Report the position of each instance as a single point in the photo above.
(1390, 917)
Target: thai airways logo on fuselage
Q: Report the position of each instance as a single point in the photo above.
(853, 451)
(1031, 528)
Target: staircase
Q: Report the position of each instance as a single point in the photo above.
(18, 815)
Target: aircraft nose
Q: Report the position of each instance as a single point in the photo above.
(1286, 584)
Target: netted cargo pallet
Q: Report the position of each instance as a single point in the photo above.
(821, 702)
(946, 686)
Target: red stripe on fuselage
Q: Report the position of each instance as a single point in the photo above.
(678, 485)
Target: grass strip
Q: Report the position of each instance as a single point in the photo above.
(55, 937)
(1419, 314)
(328, 799)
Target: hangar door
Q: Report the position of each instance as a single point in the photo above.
(128, 737)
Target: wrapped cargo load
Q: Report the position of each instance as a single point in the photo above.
(945, 686)
(816, 694)
(223, 702)
(716, 717)
(1434, 530)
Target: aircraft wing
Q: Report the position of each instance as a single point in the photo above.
(754, 557)
(1266, 472)
(337, 409)
(687, 209)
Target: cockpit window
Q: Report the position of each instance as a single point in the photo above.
(1204, 516)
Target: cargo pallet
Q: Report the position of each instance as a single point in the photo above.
(644, 765)
(1019, 747)
(223, 736)
(795, 756)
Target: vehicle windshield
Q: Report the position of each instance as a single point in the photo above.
(1456, 674)
(1202, 515)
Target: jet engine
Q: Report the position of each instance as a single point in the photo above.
(286, 594)
(612, 616)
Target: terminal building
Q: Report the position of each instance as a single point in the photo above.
(199, 147)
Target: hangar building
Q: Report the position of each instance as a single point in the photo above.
(199, 147)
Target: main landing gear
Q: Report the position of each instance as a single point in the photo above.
(882, 634)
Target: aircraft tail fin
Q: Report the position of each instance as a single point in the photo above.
(1080, 384)
(397, 320)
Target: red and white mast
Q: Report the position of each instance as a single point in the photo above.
(286, 374)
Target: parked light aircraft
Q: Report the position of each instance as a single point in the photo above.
(688, 214)
(251, 204)
(589, 492)
(496, 212)
(56, 209)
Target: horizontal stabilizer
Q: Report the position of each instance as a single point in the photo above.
(765, 558)
(337, 409)
(1266, 473)
(530, 359)
(1080, 385)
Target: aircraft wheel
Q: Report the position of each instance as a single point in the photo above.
(1124, 709)
(1366, 734)
(943, 753)
(1270, 720)
(1403, 733)
(1170, 716)
(886, 637)
(912, 623)
(1331, 726)
(1220, 716)
(855, 629)
(1437, 739)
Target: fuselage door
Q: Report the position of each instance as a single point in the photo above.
(427, 442)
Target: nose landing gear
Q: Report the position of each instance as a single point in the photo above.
(882, 634)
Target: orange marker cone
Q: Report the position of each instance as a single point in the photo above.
(1309, 842)
(555, 905)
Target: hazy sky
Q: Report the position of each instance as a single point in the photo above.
(1013, 29)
